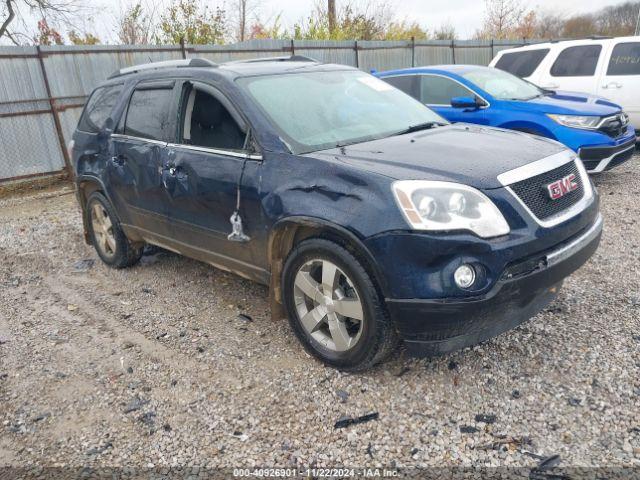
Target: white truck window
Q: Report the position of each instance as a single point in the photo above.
(579, 61)
(523, 63)
(625, 59)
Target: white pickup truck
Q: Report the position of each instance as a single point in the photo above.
(608, 67)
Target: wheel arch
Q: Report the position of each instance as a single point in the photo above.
(85, 186)
(290, 231)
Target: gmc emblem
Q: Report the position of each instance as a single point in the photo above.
(560, 188)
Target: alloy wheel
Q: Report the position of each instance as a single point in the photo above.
(103, 230)
(328, 305)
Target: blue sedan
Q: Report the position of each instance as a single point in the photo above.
(595, 128)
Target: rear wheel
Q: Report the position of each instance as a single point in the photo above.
(107, 237)
(334, 308)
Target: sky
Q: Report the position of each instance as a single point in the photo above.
(465, 15)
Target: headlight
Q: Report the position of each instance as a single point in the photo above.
(442, 206)
(576, 121)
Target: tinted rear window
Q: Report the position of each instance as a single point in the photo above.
(578, 61)
(148, 114)
(99, 108)
(625, 59)
(407, 83)
(522, 64)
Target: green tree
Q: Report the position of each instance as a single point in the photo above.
(82, 38)
(135, 26)
(192, 21)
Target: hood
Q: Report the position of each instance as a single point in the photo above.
(463, 153)
(571, 103)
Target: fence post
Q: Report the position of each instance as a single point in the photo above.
(491, 49)
(293, 49)
(357, 59)
(413, 51)
(54, 112)
(182, 49)
(453, 51)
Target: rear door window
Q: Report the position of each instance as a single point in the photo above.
(148, 115)
(99, 108)
(409, 84)
(580, 61)
(522, 64)
(435, 90)
(625, 59)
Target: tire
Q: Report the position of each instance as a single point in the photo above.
(111, 244)
(316, 312)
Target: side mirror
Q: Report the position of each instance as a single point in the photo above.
(466, 102)
(106, 130)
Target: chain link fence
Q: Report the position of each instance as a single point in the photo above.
(43, 89)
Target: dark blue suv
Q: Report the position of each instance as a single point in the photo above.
(370, 218)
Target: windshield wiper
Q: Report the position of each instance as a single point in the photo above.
(419, 126)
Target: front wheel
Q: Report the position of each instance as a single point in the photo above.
(334, 308)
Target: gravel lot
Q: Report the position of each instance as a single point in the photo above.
(153, 367)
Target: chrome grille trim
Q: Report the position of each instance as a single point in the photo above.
(544, 165)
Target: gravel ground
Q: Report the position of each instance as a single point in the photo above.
(153, 367)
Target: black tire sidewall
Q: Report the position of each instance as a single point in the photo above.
(368, 343)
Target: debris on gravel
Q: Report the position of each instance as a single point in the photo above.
(208, 389)
(345, 421)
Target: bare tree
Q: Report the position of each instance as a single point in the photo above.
(241, 13)
(618, 20)
(501, 18)
(52, 12)
(549, 25)
(331, 15)
(579, 26)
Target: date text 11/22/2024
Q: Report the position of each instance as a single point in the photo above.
(315, 472)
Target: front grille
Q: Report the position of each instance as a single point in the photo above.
(615, 126)
(534, 193)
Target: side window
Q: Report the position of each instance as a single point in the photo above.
(578, 61)
(522, 64)
(436, 90)
(207, 123)
(98, 108)
(148, 113)
(625, 59)
(409, 84)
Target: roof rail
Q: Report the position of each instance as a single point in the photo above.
(559, 40)
(189, 62)
(291, 58)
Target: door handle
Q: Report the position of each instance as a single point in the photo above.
(612, 85)
(118, 160)
(551, 86)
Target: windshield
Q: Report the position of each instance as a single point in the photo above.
(502, 85)
(319, 110)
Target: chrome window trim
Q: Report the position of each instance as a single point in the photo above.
(544, 165)
(142, 139)
(488, 104)
(566, 251)
(605, 161)
(216, 151)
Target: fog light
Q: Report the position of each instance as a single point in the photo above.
(464, 276)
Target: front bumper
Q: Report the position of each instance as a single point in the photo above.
(438, 326)
(601, 158)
